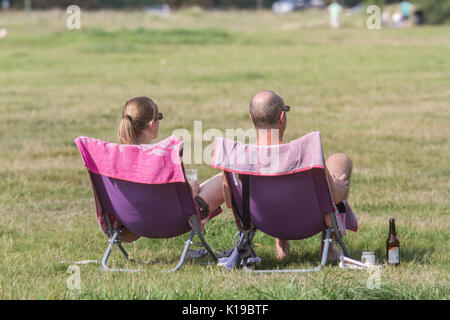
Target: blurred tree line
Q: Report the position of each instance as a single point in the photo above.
(434, 11)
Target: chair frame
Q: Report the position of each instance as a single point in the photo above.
(113, 233)
(334, 230)
(326, 246)
(113, 240)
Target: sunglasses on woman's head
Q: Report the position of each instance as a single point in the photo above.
(159, 116)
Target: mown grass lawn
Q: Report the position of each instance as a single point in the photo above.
(383, 97)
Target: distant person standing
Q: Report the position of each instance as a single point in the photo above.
(397, 19)
(3, 33)
(406, 10)
(5, 6)
(334, 9)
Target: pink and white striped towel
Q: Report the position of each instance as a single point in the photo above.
(157, 163)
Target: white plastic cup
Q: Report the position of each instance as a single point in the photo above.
(191, 175)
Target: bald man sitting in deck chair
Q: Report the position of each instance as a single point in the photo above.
(268, 112)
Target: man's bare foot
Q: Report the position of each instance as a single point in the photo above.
(333, 253)
(282, 247)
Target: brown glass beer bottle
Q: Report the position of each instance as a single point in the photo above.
(393, 245)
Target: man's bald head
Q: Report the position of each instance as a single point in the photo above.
(265, 108)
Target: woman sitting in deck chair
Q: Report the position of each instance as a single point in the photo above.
(140, 189)
(140, 125)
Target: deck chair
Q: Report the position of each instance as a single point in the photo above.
(280, 190)
(142, 189)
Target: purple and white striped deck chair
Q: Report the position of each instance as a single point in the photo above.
(144, 188)
(279, 189)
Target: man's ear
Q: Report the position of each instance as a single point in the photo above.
(282, 117)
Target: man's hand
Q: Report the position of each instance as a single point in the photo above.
(341, 187)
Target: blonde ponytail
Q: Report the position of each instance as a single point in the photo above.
(136, 115)
(126, 132)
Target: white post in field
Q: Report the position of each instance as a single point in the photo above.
(259, 4)
(27, 6)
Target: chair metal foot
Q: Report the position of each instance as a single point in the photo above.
(323, 262)
(185, 251)
(113, 241)
(196, 231)
(284, 270)
(199, 233)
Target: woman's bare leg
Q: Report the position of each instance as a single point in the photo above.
(282, 248)
(211, 191)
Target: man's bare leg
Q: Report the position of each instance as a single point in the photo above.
(333, 252)
(339, 165)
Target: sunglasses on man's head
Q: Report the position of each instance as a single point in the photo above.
(159, 116)
(286, 108)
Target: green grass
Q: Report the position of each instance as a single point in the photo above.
(380, 96)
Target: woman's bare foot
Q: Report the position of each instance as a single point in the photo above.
(282, 247)
(125, 235)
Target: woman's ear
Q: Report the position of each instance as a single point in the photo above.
(151, 125)
(153, 129)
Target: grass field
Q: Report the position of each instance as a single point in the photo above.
(383, 97)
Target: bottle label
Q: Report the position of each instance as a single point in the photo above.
(393, 255)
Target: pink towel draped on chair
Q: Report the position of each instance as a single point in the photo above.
(349, 219)
(269, 160)
(157, 163)
(298, 155)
